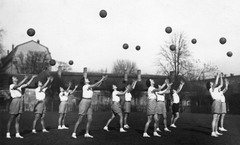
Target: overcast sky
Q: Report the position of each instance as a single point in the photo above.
(73, 30)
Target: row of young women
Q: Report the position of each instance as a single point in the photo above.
(155, 105)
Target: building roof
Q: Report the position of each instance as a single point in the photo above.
(9, 58)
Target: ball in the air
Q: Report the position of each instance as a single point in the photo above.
(103, 13)
(168, 29)
(222, 40)
(31, 32)
(172, 47)
(52, 62)
(229, 54)
(194, 41)
(138, 47)
(70, 62)
(125, 46)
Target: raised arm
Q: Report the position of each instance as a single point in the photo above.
(97, 83)
(71, 92)
(180, 87)
(167, 90)
(29, 82)
(133, 84)
(221, 82)
(163, 85)
(69, 85)
(19, 84)
(46, 83)
(216, 81)
(226, 85)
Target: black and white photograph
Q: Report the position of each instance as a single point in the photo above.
(119, 72)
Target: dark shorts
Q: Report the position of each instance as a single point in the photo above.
(63, 107)
(85, 107)
(175, 108)
(151, 107)
(116, 108)
(216, 107)
(161, 107)
(16, 106)
(127, 107)
(40, 107)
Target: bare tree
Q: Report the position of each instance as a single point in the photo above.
(33, 63)
(122, 66)
(1, 46)
(179, 62)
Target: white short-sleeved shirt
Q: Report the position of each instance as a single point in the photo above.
(160, 96)
(40, 95)
(63, 96)
(115, 97)
(128, 96)
(15, 92)
(215, 94)
(222, 97)
(176, 98)
(87, 93)
(151, 95)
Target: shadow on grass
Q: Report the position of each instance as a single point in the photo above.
(197, 130)
(139, 131)
(24, 132)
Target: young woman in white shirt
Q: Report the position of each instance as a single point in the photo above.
(127, 102)
(63, 106)
(16, 105)
(214, 90)
(151, 108)
(116, 107)
(175, 104)
(223, 106)
(161, 104)
(85, 107)
(40, 106)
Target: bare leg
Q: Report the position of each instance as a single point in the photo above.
(172, 118)
(11, 118)
(109, 120)
(63, 119)
(89, 121)
(158, 115)
(77, 123)
(156, 122)
(60, 119)
(125, 118)
(17, 123)
(42, 121)
(121, 120)
(165, 120)
(176, 117)
(222, 120)
(37, 116)
(214, 122)
(147, 123)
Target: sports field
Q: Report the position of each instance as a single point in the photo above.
(192, 129)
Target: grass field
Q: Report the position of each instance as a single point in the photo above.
(192, 129)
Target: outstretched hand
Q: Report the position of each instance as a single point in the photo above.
(104, 77)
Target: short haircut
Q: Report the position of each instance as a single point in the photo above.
(148, 83)
(208, 85)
